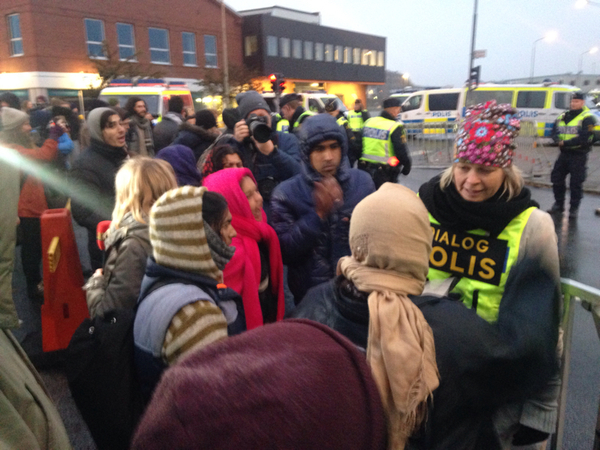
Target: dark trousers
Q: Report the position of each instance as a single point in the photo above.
(381, 173)
(574, 164)
(31, 250)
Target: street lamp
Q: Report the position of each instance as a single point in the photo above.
(583, 3)
(549, 37)
(591, 51)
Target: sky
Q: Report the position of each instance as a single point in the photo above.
(431, 39)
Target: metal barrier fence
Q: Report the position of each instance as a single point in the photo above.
(431, 145)
(589, 298)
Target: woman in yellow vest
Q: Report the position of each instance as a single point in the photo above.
(484, 222)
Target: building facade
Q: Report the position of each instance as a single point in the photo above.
(312, 56)
(49, 48)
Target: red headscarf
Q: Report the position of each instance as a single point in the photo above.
(242, 273)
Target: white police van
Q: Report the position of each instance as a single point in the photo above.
(541, 103)
(311, 101)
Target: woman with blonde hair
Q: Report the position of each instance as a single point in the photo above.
(138, 184)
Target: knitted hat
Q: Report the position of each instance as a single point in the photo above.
(231, 116)
(295, 384)
(487, 135)
(183, 161)
(249, 101)
(205, 119)
(177, 232)
(93, 121)
(391, 102)
(289, 98)
(11, 119)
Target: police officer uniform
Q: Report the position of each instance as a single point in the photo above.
(300, 114)
(356, 122)
(573, 131)
(384, 154)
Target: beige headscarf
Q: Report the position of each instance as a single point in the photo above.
(390, 238)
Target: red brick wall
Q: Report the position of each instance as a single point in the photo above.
(54, 32)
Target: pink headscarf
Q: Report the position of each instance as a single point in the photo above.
(242, 273)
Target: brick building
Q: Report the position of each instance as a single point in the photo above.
(45, 47)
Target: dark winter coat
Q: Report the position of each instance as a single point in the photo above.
(166, 130)
(482, 366)
(195, 137)
(311, 246)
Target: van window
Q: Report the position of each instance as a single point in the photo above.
(561, 100)
(531, 99)
(152, 101)
(313, 105)
(481, 96)
(413, 102)
(443, 102)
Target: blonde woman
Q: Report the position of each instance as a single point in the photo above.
(138, 184)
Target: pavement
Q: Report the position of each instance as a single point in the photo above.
(579, 249)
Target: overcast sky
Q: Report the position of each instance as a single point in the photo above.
(431, 39)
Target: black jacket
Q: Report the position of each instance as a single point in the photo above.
(166, 130)
(482, 366)
(195, 137)
(399, 142)
(583, 141)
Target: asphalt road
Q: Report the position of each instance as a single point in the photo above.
(579, 251)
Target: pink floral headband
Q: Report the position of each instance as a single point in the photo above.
(487, 134)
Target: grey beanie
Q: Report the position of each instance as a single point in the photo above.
(11, 118)
(249, 101)
(93, 121)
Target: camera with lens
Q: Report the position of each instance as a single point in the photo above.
(259, 128)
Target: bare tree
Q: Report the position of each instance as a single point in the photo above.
(241, 79)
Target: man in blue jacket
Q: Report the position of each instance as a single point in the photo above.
(271, 162)
(311, 211)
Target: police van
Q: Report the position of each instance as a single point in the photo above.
(311, 101)
(535, 102)
(155, 92)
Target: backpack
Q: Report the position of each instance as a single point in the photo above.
(102, 377)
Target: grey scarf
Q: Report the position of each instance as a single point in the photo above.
(220, 252)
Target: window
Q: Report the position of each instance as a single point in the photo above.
(477, 96)
(319, 51)
(356, 56)
(250, 45)
(413, 102)
(210, 50)
(328, 52)
(308, 50)
(159, 46)
(364, 57)
(94, 35)
(314, 106)
(561, 101)
(16, 40)
(572, 83)
(189, 48)
(284, 45)
(531, 99)
(597, 82)
(339, 53)
(271, 46)
(380, 59)
(373, 58)
(347, 55)
(586, 82)
(443, 102)
(297, 49)
(126, 42)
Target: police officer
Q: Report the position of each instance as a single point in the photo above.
(573, 131)
(332, 108)
(292, 110)
(385, 154)
(356, 121)
(281, 124)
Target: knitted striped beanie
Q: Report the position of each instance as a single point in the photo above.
(177, 232)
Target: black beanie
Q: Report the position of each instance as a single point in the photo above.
(249, 101)
(231, 116)
(289, 98)
(205, 119)
(391, 102)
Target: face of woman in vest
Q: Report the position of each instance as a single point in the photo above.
(254, 198)
(477, 183)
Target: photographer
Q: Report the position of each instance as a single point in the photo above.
(272, 156)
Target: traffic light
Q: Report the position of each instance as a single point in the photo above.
(474, 77)
(274, 82)
(281, 83)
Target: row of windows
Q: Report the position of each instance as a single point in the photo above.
(159, 44)
(317, 51)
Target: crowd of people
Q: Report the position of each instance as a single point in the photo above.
(282, 298)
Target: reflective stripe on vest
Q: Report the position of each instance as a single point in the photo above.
(377, 139)
(283, 125)
(342, 121)
(571, 130)
(301, 118)
(482, 263)
(355, 120)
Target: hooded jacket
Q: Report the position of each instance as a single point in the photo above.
(195, 137)
(311, 246)
(166, 130)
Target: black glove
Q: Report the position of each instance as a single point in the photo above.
(406, 168)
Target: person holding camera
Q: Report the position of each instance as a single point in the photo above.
(311, 212)
(272, 156)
